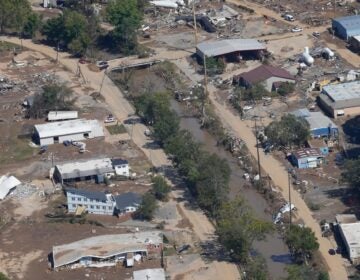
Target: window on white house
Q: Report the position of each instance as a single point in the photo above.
(97, 207)
(92, 206)
(104, 207)
(79, 198)
(110, 207)
(73, 198)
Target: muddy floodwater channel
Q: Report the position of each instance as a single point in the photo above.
(273, 249)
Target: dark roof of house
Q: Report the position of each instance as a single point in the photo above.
(127, 199)
(119, 161)
(264, 72)
(88, 194)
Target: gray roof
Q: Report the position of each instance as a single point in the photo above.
(349, 22)
(119, 161)
(88, 194)
(127, 199)
(216, 48)
(307, 152)
(105, 246)
(316, 120)
(343, 91)
(343, 104)
(85, 168)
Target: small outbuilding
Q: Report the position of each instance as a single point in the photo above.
(346, 27)
(265, 74)
(62, 115)
(307, 158)
(72, 130)
(127, 203)
(236, 49)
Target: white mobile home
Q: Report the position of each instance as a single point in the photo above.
(72, 130)
(62, 115)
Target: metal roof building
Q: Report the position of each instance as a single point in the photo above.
(341, 99)
(89, 169)
(350, 233)
(149, 274)
(320, 125)
(307, 158)
(71, 130)
(105, 250)
(62, 115)
(346, 27)
(7, 183)
(229, 46)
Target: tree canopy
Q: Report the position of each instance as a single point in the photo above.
(214, 66)
(304, 272)
(351, 173)
(53, 97)
(302, 242)
(147, 207)
(289, 131)
(238, 228)
(13, 14)
(161, 188)
(31, 25)
(69, 29)
(126, 16)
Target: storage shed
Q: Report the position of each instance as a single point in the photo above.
(346, 27)
(72, 130)
(320, 125)
(237, 48)
(307, 158)
(62, 115)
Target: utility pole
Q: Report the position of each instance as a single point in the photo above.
(257, 149)
(289, 183)
(205, 89)
(195, 25)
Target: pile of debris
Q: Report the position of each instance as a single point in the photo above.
(6, 84)
(23, 191)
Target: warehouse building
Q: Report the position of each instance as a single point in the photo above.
(94, 169)
(269, 76)
(107, 250)
(341, 99)
(232, 49)
(72, 130)
(320, 125)
(346, 27)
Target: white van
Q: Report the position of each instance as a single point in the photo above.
(289, 17)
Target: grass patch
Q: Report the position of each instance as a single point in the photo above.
(116, 129)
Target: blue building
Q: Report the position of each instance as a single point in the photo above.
(307, 158)
(346, 27)
(320, 125)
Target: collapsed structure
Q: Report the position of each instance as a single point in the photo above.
(7, 184)
(106, 250)
(70, 130)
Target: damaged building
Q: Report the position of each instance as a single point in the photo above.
(107, 250)
(231, 49)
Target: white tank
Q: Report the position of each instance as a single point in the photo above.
(329, 53)
(306, 57)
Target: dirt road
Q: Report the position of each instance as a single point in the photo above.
(121, 108)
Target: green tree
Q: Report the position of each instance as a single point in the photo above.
(351, 173)
(147, 207)
(286, 88)
(323, 275)
(289, 131)
(3, 276)
(32, 24)
(69, 29)
(53, 97)
(161, 188)
(301, 272)
(212, 184)
(256, 268)
(302, 242)
(255, 92)
(126, 17)
(13, 14)
(214, 66)
(238, 228)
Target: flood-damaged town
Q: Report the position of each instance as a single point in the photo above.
(179, 139)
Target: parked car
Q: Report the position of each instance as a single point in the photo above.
(102, 64)
(316, 34)
(247, 107)
(296, 29)
(289, 17)
(109, 119)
